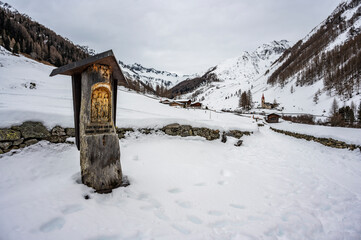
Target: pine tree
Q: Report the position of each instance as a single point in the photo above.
(353, 107)
(249, 99)
(359, 114)
(315, 98)
(16, 48)
(334, 107)
(243, 100)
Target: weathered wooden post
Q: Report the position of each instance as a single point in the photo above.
(94, 83)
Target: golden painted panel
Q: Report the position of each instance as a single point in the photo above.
(101, 105)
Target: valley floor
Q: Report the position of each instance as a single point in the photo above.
(272, 187)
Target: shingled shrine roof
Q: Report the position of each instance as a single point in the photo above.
(106, 58)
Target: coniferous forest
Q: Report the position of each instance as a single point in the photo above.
(310, 62)
(20, 34)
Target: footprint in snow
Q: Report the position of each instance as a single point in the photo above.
(200, 184)
(53, 224)
(72, 208)
(136, 158)
(226, 173)
(237, 206)
(215, 213)
(194, 219)
(181, 229)
(159, 214)
(222, 183)
(174, 190)
(184, 204)
(114, 237)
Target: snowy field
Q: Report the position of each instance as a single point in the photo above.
(273, 187)
(348, 135)
(51, 102)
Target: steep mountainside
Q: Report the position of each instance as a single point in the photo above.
(331, 52)
(305, 78)
(20, 34)
(151, 76)
(237, 74)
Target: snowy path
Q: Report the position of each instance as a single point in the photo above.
(272, 187)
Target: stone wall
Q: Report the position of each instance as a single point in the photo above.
(30, 133)
(329, 142)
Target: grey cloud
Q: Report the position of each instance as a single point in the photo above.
(182, 36)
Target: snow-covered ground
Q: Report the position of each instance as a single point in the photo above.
(348, 135)
(51, 102)
(272, 187)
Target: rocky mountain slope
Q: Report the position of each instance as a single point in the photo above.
(20, 34)
(151, 76)
(236, 75)
(305, 78)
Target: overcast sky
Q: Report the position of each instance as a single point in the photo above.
(183, 36)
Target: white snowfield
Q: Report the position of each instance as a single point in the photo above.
(51, 102)
(348, 135)
(272, 187)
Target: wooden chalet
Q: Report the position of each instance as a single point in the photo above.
(176, 104)
(196, 105)
(165, 101)
(272, 118)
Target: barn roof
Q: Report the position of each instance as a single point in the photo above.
(106, 58)
(274, 114)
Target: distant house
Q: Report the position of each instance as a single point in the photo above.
(165, 101)
(176, 104)
(186, 103)
(196, 105)
(272, 118)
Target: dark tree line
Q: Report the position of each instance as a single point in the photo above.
(346, 115)
(189, 85)
(245, 100)
(340, 67)
(20, 34)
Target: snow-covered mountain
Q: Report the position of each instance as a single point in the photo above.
(294, 76)
(238, 74)
(152, 76)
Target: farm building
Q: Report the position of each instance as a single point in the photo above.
(272, 118)
(196, 105)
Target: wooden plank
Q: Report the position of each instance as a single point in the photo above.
(115, 93)
(76, 86)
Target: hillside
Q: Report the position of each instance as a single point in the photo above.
(325, 63)
(237, 74)
(20, 34)
(28, 93)
(330, 53)
(151, 76)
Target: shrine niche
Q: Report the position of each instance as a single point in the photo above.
(100, 106)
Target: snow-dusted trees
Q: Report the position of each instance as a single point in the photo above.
(316, 96)
(359, 114)
(334, 107)
(245, 100)
(344, 116)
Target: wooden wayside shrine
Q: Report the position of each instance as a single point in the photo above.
(94, 85)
